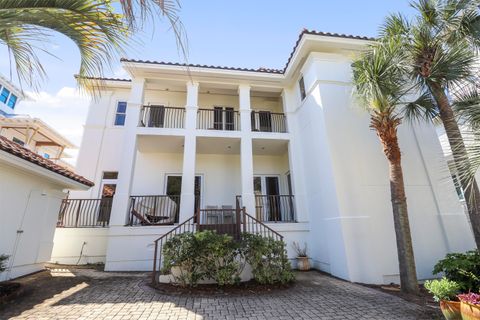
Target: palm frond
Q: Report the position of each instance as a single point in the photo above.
(421, 109)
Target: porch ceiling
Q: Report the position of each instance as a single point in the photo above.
(269, 147)
(162, 144)
(215, 145)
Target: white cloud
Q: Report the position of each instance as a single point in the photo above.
(65, 111)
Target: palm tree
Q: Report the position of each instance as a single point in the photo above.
(441, 43)
(99, 32)
(379, 79)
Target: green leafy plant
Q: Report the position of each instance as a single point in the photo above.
(3, 262)
(443, 289)
(208, 255)
(268, 259)
(463, 268)
(203, 255)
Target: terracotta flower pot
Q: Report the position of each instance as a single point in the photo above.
(303, 264)
(470, 311)
(451, 310)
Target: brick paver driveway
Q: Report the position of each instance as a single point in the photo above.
(90, 294)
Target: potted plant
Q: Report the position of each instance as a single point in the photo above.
(445, 291)
(470, 306)
(303, 263)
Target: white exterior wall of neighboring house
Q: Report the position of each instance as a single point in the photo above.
(30, 198)
(339, 175)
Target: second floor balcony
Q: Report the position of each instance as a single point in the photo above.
(162, 117)
(217, 118)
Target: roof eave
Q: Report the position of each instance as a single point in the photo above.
(33, 168)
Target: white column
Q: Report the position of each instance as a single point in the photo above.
(246, 152)
(294, 161)
(127, 164)
(187, 198)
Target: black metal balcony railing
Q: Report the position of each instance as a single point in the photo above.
(84, 213)
(274, 208)
(162, 117)
(218, 119)
(154, 210)
(266, 121)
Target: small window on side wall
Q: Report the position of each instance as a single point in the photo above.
(301, 85)
(120, 113)
(12, 101)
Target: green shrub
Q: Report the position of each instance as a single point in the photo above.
(443, 289)
(208, 255)
(3, 262)
(463, 268)
(268, 259)
(203, 255)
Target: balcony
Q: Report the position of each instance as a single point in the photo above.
(218, 118)
(273, 208)
(162, 117)
(84, 213)
(266, 121)
(154, 210)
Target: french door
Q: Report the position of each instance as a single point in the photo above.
(267, 198)
(223, 118)
(174, 188)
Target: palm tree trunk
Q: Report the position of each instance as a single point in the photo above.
(460, 157)
(387, 132)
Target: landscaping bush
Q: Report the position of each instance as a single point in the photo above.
(463, 268)
(203, 255)
(268, 259)
(208, 255)
(443, 289)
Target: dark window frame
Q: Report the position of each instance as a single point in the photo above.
(120, 115)
(303, 92)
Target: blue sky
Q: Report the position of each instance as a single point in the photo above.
(248, 33)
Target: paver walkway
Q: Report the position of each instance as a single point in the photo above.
(90, 294)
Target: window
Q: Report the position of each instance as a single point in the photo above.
(121, 113)
(12, 101)
(20, 142)
(110, 175)
(458, 186)
(4, 95)
(301, 84)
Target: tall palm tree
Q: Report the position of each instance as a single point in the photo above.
(99, 32)
(379, 80)
(441, 43)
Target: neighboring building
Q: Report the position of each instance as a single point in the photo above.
(29, 132)
(31, 191)
(292, 144)
(10, 96)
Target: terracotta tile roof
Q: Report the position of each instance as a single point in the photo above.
(30, 156)
(104, 79)
(262, 69)
(265, 70)
(324, 34)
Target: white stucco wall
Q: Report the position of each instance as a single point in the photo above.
(28, 215)
(349, 187)
(79, 245)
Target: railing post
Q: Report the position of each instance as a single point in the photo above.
(244, 219)
(132, 206)
(78, 212)
(154, 273)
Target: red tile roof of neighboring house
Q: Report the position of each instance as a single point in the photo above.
(30, 156)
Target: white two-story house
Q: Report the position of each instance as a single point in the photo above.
(292, 146)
